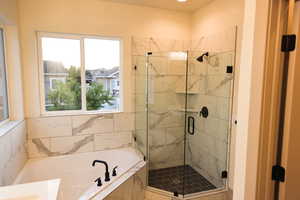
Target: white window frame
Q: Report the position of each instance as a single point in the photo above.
(6, 76)
(81, 38)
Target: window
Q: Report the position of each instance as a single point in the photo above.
(79, 73)
(3, 82)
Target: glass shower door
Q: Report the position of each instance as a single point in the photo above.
(166, 114)
(208, 119)
(140, 102)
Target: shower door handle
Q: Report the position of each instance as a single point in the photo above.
(191, 125)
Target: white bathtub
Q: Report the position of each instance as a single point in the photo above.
(77, 174)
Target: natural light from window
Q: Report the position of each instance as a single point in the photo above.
(72, 84)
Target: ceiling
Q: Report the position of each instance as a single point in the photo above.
(189, 6)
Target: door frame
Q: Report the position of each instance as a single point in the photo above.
(289, 189)
(270, 145)
(271, 100)
(259, 97)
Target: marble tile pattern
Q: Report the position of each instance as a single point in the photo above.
(54, 136)
(160, 80)
(164, 118)
(13, 153)
(219, 42)
(207, 149)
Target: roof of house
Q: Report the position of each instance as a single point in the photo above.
(99, 73)
(53, 67)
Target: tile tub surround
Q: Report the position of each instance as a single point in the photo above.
(13, 151)
(63, 135)
(77, 174)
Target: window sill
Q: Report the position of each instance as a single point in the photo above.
(8, 126)
(72, 113)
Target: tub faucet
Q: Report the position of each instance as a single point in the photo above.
(106, 169)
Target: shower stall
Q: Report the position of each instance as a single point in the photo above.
(183, 103)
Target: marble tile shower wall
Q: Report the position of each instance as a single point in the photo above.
(166, 122)
(219, 42)
(207, 149)
(13, 153)
(165, 119)
(53, 136)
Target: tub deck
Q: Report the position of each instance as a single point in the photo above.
(77, 174)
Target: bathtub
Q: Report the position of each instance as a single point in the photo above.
(77, 174)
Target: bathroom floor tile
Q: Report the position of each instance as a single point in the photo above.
(181, 179)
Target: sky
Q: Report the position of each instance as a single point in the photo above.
(99, 53)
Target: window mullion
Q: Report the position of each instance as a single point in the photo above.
(83, 81)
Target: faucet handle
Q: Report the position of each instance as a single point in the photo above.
(98, 181)
(114, 173)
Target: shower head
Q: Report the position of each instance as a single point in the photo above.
(200, 58)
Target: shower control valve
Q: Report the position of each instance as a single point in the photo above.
(203, 112)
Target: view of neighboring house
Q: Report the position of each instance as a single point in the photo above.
(53, 72)
(109, 78)
(56, 72)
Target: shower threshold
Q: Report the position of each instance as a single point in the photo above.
(180, 179)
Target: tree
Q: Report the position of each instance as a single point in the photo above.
(96, 96)
(74, 83)
(61, 96)
(67, 96)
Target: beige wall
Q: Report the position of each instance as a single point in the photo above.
(249, 98)
(8, 11)
(216, 18)
(96, 18)
(13, 61)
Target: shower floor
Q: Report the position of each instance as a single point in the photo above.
(171, 180)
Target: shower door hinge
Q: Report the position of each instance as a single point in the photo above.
(229, 69)
(176, 194)
(224, 174)
(288, 43)
(278, 173)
